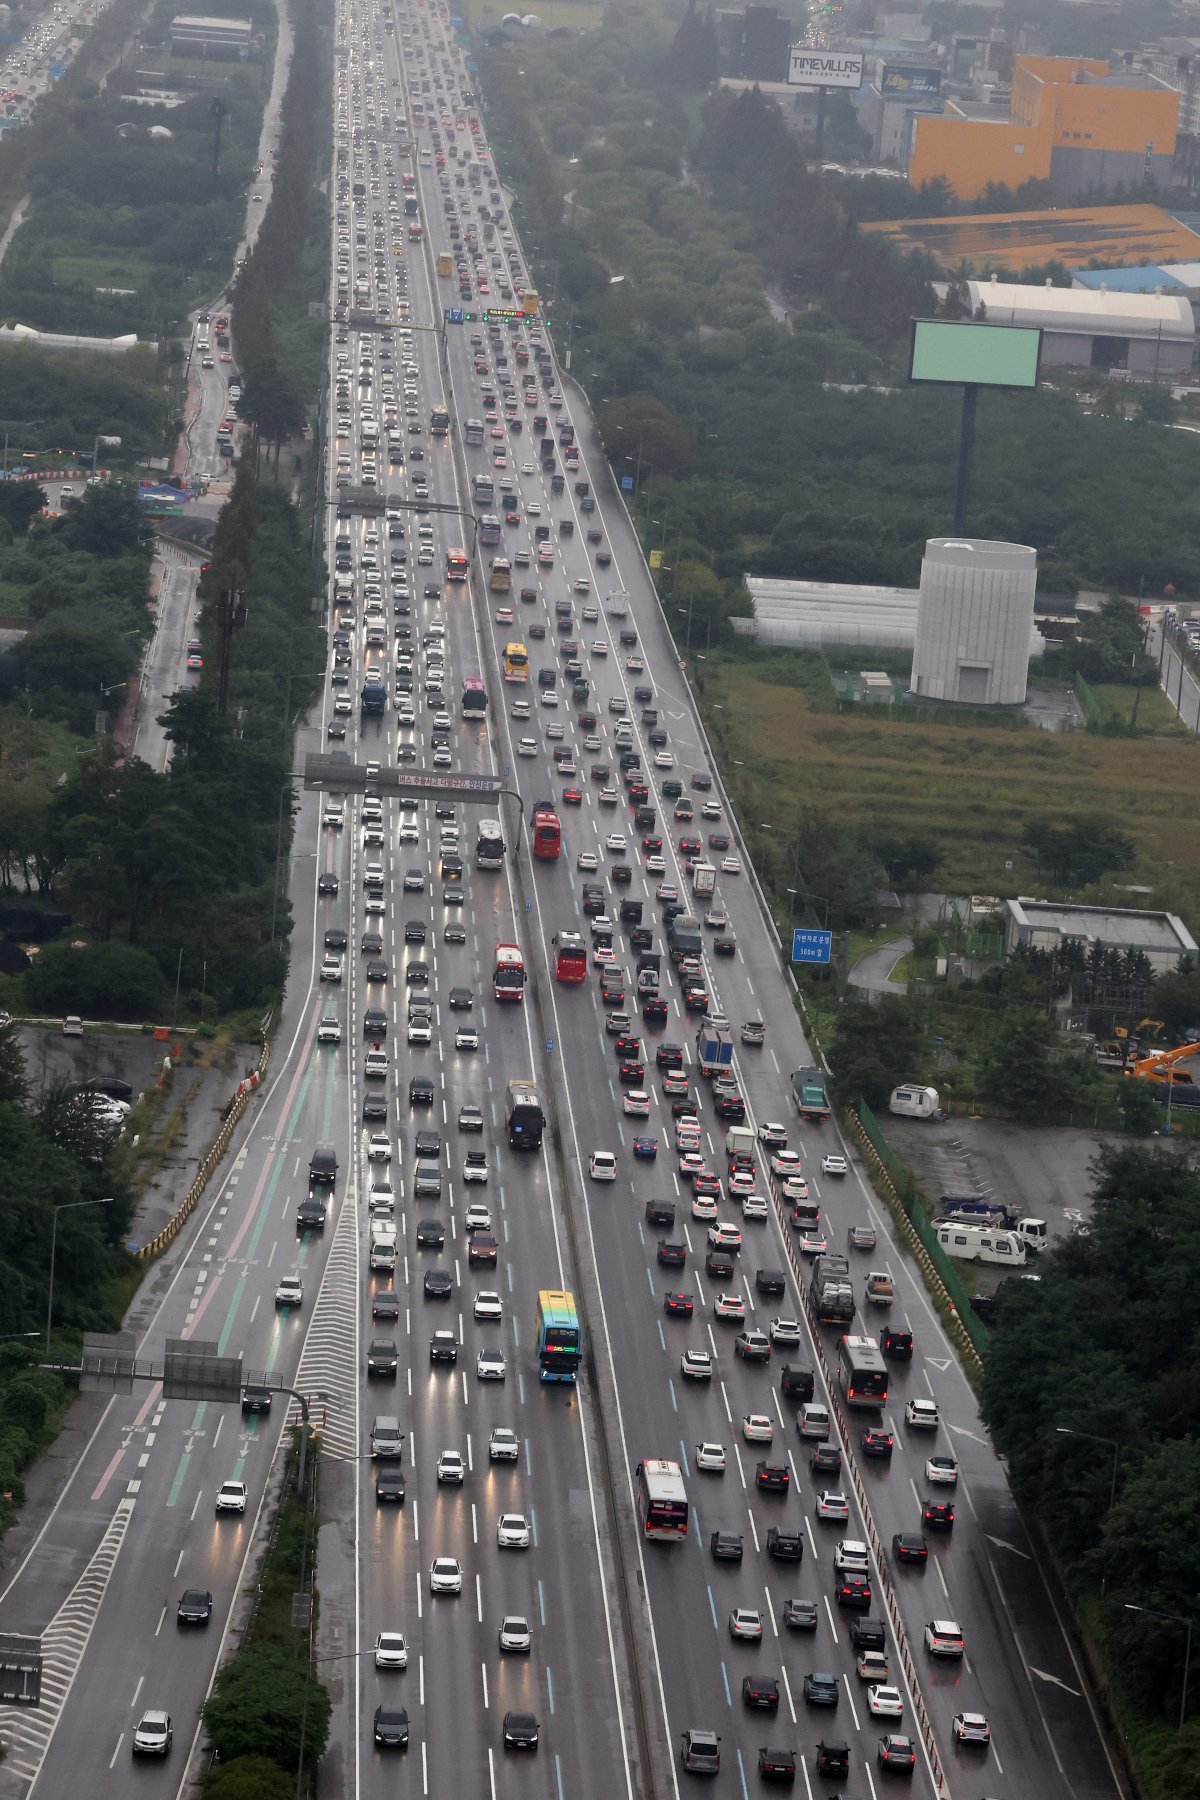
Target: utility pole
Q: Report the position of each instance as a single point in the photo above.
(216, 112)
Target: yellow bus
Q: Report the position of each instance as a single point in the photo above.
(516, 662)
(445, 263)
(500, 580)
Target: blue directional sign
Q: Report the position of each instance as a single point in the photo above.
(454, 315)
(811, 946)
(627, 484)
(549, 1046)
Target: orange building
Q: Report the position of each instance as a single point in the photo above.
(1072, 122)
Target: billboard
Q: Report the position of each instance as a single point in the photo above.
(824, 68)
(961, 352)
(902, 78)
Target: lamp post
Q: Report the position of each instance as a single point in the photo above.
(66, 1206)
(1114, 1446)
(1169, 1619)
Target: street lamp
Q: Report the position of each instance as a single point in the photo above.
(66, 1206)
(1169, 1619)
(1114, 1446)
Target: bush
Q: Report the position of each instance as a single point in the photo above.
(257, 1705)
(248, 1778)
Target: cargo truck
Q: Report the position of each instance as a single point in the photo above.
(808, 1085)
(383, 1246)
(683, 937)
(714, 1050)
(832, 1299)
(740, 1141)
(704, 879)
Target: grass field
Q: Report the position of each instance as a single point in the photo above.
(968, 788)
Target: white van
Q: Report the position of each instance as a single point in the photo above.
(980, 1243)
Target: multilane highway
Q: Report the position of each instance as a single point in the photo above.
(136, 1523)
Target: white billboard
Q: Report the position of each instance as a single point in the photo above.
(824, 68)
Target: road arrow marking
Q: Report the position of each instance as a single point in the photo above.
(1003, 1544)
(961, 1431)
(1055, 1682)
(938, 1362)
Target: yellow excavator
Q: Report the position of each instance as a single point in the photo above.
(1161, 1066)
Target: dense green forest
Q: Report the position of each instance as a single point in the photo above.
(1106, 1345)
(147, 863)
(660, 221)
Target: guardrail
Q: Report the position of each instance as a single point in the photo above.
(800, 1271)
(230, 1117)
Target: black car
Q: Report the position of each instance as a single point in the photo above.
(898, 1344)
(718, 1265)
(389, 1486)
(385, 1306)
(725, 945)
(382, 1359)
(391, 1727)
(669, 1056)
(520, 1731)
(800, 1615)
(327, 883)
(671, 789)
(375, 1023)
(427, 1142)
(784, 1546)
(826, 1459)
(195, 1607)
(377, 969)
(335, 941)
(420, 1091)
(772, 1478)
(760, 1692)
(461, 999)
(414, 931)
(910, 1547)
(454, 934)
(431, 1235)
(375, 1109)
(726, 1546)
(671, 1255)
(777, 1764)
(438, 1284)
(877, 1441)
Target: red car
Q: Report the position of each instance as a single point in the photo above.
(678, 1305)
(512, 518)
(717, 840)
(689, 846)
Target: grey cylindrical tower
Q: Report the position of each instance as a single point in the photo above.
(974, 622)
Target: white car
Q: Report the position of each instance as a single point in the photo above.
(971, 1728)
(885, 1702)
(445, 1575)
(379, 1147)
(599, 648)
(231, 1497)
(490, 1365)
(526, 746)
(587, 860)
(943, 1637)
(467, 1038)
(785, 1331)
(724, 1237)
(656, 865)
(556, 730)
(704, 1207)
(451, 1468)
(616, 844)
(503, 1445)
(331, 968)
(943, 1470)
(478, 1218)
(757, 1428)
(922, 1415)
(833, 1507)
(603, 1165)
(420, 1031)
(746, 1623)
(711, 1458)
(731, 865)
(512, 1532)
(515, 1633)
(833, 1164)
(519, 709)
(786, 1163)
(391, 1650)
(289, 1291)
(850, 1555)
(696, 1365)
(637, 1103)
(663, 759)
(754, 1207)
(488, 1305)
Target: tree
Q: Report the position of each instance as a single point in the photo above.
(1176, 1000)
(257, 1704)
(1016, 1068)
(874, 1048)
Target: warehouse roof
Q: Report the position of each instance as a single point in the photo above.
(1081, 310)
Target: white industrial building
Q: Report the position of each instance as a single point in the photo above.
(969, 626)
(1146, 334)
(974, 622)
(1161, 936)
